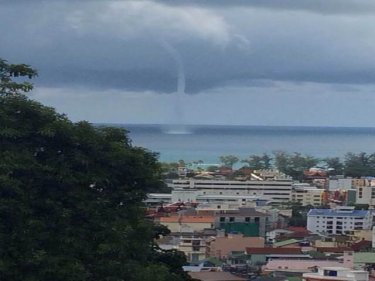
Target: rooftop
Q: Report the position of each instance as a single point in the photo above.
(337, 213)
(242, 212)
(285, 242)
(333, 249)
(188, 219)
(364, 257)
(273, 251)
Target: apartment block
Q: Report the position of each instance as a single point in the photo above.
(341, 220)
(274, 191)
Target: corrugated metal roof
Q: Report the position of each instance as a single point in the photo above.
(276, 251)
(285, 242)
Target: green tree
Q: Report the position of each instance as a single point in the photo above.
(294, 164)
(10, 71)
(71, 198)
(257, 162)
(334, 165)
(228, 160)
(361, 164)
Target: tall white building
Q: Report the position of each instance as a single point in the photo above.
(338, 221)
(275, 191)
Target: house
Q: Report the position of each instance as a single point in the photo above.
(290, 243)
(187, 223)
(307, 264)
(257, 255)
(245, 220)
(221, 247)
(276, 234)
(336, 273)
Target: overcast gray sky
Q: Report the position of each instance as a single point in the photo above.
(261, 62)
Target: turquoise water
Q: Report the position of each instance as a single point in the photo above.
(208, 143)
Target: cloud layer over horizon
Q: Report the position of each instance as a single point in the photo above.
(235, 53)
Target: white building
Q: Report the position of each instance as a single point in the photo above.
(275, 191)
(365, 195)
(338, 221)
(336, 273)
(340, 183)
(307, 195)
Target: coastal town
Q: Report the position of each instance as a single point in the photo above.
(248, 224)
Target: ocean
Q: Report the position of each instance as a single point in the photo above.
(208, 143)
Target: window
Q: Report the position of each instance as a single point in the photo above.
(222, 219)
(330, 273)
(231, 219)
(247, 219)
(218, 206)
(256, 220)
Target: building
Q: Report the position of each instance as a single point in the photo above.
(194, 247)
(275, 191)
(365, 195)
(298, 265)
(340, 183)
(256, 255)
(307, 195)
(341, 220)
(336, 273)
(221, 246)
(187, 223)
(247, 221)
(158, 199)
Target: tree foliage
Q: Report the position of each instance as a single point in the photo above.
(8, 72)
(361, 164)
(334, 165)
(229, 160)
(71, 197)
(294, 164)
(257, 162)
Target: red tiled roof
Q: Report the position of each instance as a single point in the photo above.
(333, 249)
(298, 229)
(275, 251)
(361, 245)
(297, 235)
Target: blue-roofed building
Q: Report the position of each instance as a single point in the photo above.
(340, 220)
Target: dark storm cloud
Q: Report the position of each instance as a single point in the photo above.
(116, 44)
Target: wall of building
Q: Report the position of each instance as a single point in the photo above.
(276, 191)
(297, 265)
(187, 227)
(342, 184)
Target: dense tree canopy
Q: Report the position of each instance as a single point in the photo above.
(228, 160)
(70, 198)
